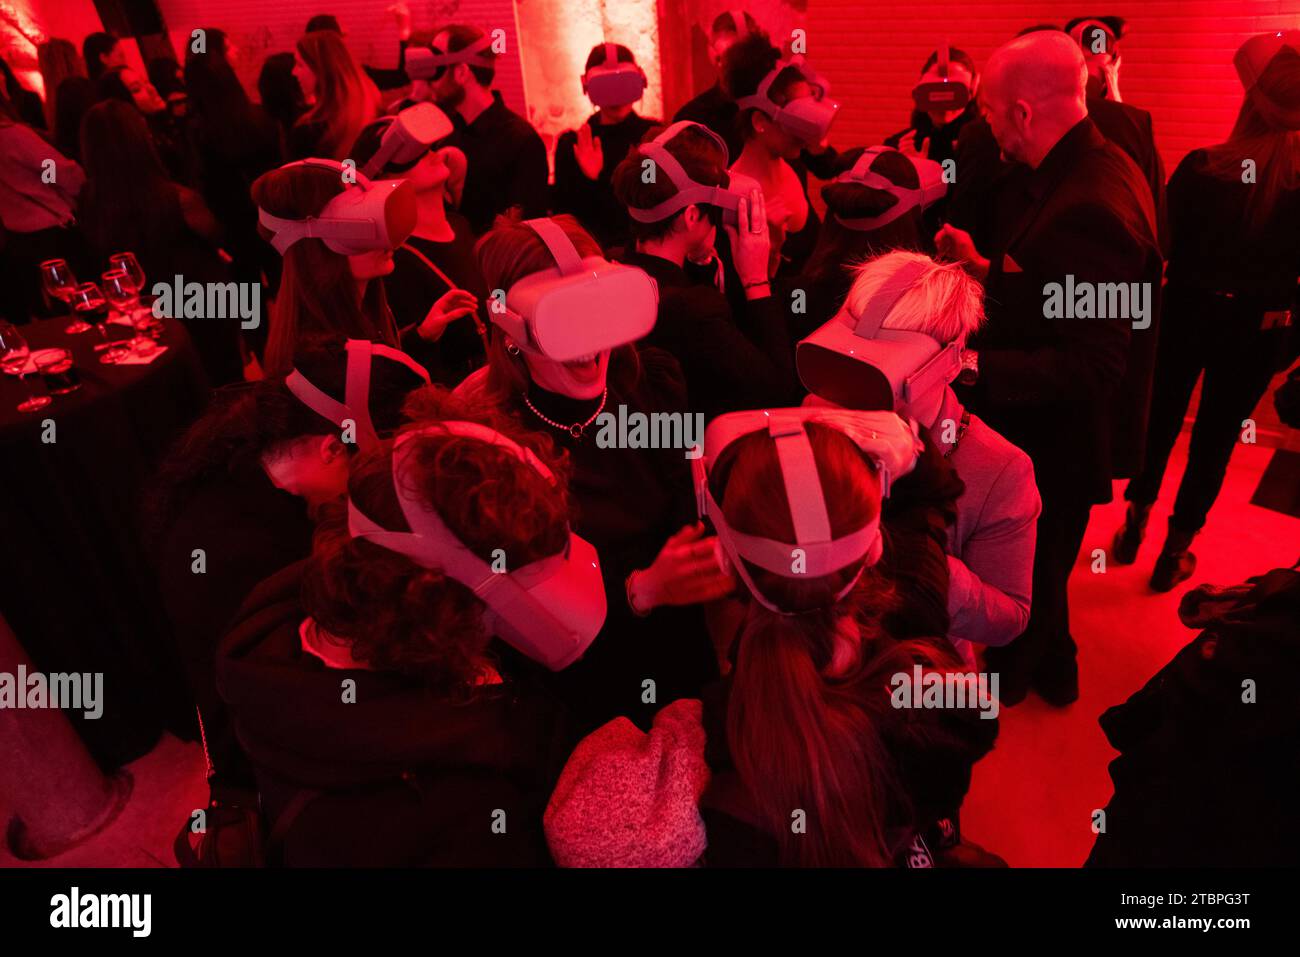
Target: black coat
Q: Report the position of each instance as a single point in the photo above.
(729, 364)
(506, 165)
(1204, 778)
(1057, 387)
(404, 778)
(593, 201)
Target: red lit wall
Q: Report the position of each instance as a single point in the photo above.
(1177, 56)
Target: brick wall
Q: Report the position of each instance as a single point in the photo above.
(1177, 55)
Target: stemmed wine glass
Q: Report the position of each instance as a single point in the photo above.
(89, 303)
(135, 275)
(58, 281)
(121, 294)
(14, 356)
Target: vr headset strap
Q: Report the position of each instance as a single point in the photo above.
(471, 54)
(559, 245)
(738, 18)
(389, 144)
(611, 55)
(812, 525)
(943, 59)
(882, 303)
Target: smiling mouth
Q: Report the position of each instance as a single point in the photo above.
(584, 367)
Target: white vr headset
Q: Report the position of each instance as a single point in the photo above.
(618, 85)
(581, 307)
(408, 137)
(932, 188)
(807, 118)
(1086, 34)
(943, 94)
(355, 407)
(550, 610)
(688, 190)
(854, 363)
(365, 217)
(888, 441)
(428, 63)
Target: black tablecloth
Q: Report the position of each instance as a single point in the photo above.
(74, 582)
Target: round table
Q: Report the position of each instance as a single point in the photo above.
(74, 580)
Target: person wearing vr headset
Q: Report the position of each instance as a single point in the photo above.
(241, 489)
(783, 112)
(563, 352)
(897, 344)
(440, 738)
(435, 289)
(336, 232)
(713, 107)
(729, 362)
(804, 717)
(1067, 391)
(343, 99)
(944, 101)
(1099, 38)
(1228, 309)
(505, 157)
(585, 159)
(877, 206)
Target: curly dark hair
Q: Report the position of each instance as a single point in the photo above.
(245, 420)
(399, 616)
(744, 65)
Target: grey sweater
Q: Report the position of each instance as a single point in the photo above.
(991, 545)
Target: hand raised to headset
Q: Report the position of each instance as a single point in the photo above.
(685, 572)
(751, 243)
(908, 145)
(589, 152)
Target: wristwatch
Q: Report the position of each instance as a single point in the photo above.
(970, 367)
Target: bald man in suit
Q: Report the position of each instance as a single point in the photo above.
(1078, 212)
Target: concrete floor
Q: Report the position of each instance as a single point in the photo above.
(1032, 798)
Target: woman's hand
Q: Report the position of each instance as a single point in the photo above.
(588, 152)
(452, 305)
(751, 243)
(907, 144)
(686, 572)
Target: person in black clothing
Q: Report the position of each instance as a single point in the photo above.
(1232, 275)
(1099, 38)
(440, 739)
(1053, 386)
(714, 108)
(585, 159)
(635, 505)
(974, 199)
(435, 290)
(384, 79)
(506, 157)
(102, 51)
(841, 248)
(233, 503)
(730, 363)
(234, 142)
(280, 92)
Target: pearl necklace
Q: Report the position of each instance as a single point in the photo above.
(576, 428)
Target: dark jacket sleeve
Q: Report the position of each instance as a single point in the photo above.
(573, 190)
(1093, 243)
(394, 78)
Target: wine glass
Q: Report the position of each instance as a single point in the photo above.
(89, 304)
(58, 281)
(14, 356)
(129, 265)
(121, 292)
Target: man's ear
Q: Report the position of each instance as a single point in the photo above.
(330, 448)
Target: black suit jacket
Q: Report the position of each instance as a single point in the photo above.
(1055, 387)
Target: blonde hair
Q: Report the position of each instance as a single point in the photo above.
(945, 303)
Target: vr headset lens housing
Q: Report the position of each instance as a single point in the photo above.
(854, 363)
(618, 83)
(365, 217)
(581, 307)
(408, 137)
(807, 118)
(942, 95)
(550, 610)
